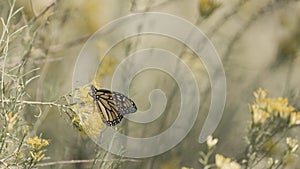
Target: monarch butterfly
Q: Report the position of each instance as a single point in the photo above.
(112, 105)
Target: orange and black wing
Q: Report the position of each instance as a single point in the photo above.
(112, 105)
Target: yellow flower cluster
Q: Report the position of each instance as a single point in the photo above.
(207, 7)
(86, 117)
(36, 145)
(226, 163)
(264, 107)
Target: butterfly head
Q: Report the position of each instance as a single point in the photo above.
(94, 91)
(93, 88)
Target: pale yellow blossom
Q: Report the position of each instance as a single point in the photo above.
(186, 168)
(272, 162)
(264, 107)
(260, 93)
(86, 117)
(259, 116)
(286, 111)
(226, 163)
(294, 119)
(36, 145)
(262, 103)
(211, 142)
(292, 144)
(11, 120)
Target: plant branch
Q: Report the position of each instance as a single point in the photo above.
(39, 103)
(78, 162)
(43, 12)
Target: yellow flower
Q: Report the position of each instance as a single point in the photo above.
(260, 94)
(18, 154)
(82, 94)
(36, 151)
(264, 107)
(259, 116)
(294, 119)
(207, 7)
(211, 142)
(262, 103)
(286, 111)
(37, 143)
(271, 108)
(25, 129)
(93, 125)
(272, 162)
(292, 144)
(78, 124)
(283, 101)
(234, 165)
(186, 168)
(280, 107)
(86, 117)
(11, 120)
(221, 160)
(225, 163)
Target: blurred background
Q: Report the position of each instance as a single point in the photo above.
(258, 42)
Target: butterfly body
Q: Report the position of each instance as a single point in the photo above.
(112, 105)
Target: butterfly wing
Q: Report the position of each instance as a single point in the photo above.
(112, 105)
(123, 103)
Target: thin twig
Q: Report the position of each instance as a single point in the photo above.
(3, 163)
(33, 8)
(5, 50)
(59, 47)
(148, 7)
(39, 103)
(270, 149)
(43, 12)
(79, 161)
(225, 18)
(246, 26)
